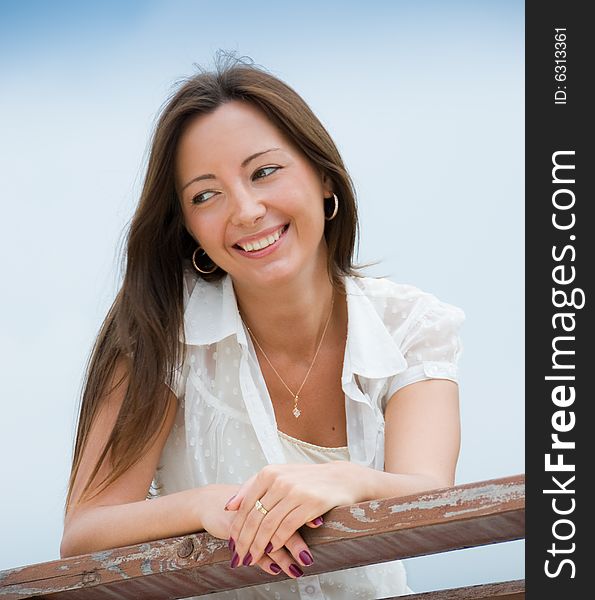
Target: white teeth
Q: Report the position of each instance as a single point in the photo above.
(262, 243)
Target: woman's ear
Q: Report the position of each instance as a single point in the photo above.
(327, 186)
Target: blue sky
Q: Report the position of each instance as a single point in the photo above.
(425, 101)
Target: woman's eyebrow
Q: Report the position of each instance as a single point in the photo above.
(244, 163)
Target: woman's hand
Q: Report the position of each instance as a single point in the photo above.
(293, 495)
(217, 520)
(211, 508)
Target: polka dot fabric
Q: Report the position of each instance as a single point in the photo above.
(225, 428)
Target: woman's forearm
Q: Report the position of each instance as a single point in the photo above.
(89, 529)
(372, 484)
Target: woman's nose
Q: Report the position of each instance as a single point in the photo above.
(247, 208)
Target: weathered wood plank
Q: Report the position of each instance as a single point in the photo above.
(506, 590)
(370, 532)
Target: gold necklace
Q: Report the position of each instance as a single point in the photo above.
(296, 411)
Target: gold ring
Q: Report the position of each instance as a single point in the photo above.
(260, 507)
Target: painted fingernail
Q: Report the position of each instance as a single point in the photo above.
(231, 545)
(269, 548)
(318, 521)
(235, 559)
(227, 503)
(295, 570)
(275, 568)
(247, 559)
(306, 557)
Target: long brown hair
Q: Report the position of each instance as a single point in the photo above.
(144, 325)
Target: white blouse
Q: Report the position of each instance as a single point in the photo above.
(225, 429)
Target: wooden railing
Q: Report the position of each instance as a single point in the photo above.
(463, 516)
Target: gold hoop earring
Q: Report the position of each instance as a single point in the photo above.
(197, 267)
(336, 210)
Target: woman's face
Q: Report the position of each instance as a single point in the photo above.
(250, 197)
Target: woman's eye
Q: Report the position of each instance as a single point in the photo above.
(201, 198)
(266, 170)
(258, 174)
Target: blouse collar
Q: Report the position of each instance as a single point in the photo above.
(373, 352)
(212, 314)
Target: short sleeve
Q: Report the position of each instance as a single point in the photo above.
(432, 346)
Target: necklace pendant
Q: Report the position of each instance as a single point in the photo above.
(296, 412)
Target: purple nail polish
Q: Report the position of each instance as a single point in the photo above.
(306, 557)
(231, 545)
(295, 570)
(235, 559)
(269, 548)
(275, 568)
(318, 521)
(247, 559)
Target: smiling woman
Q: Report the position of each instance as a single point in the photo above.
(247, 374)
(261, 217)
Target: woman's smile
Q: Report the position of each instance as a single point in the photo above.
(263, 243)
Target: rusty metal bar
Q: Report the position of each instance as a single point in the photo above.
(463, 516)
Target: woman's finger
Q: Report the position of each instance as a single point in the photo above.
(228, 503)
(248, 517)
(280, 560)
(235, 501)
(274, 530)
(299, 550)
(258, 529)
(269, 565)
(286, 529)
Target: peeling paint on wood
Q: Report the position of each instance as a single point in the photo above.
(370, 532)
(358, 513)
(91, 577)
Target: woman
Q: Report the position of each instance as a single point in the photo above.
(294, 385)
